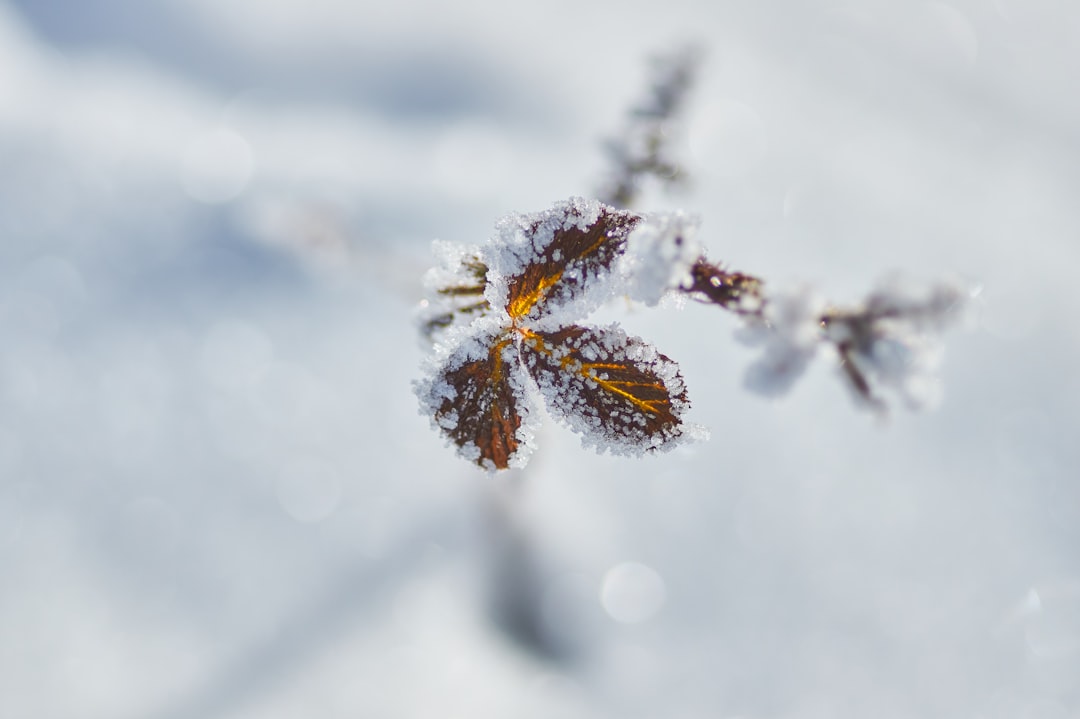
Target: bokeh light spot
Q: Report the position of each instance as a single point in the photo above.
(632, 592)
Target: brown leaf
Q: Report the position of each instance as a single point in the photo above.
(482, 414)
(616, 390)
(569, 260)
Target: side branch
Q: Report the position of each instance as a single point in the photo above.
(888, 341)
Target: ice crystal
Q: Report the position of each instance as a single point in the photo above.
(525, 290)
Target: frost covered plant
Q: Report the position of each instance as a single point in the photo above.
(505, 318)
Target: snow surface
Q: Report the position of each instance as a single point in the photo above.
(217, 498)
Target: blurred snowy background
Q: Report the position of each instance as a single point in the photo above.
(217, 498)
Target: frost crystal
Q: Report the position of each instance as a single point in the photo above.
(538, 273)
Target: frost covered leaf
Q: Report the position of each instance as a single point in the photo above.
(478, 402)
(455, 287)
(551, 256)
(616, 391)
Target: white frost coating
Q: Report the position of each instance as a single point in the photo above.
(524, 390)
(449, 261)
(789, 340)
(659, 255)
